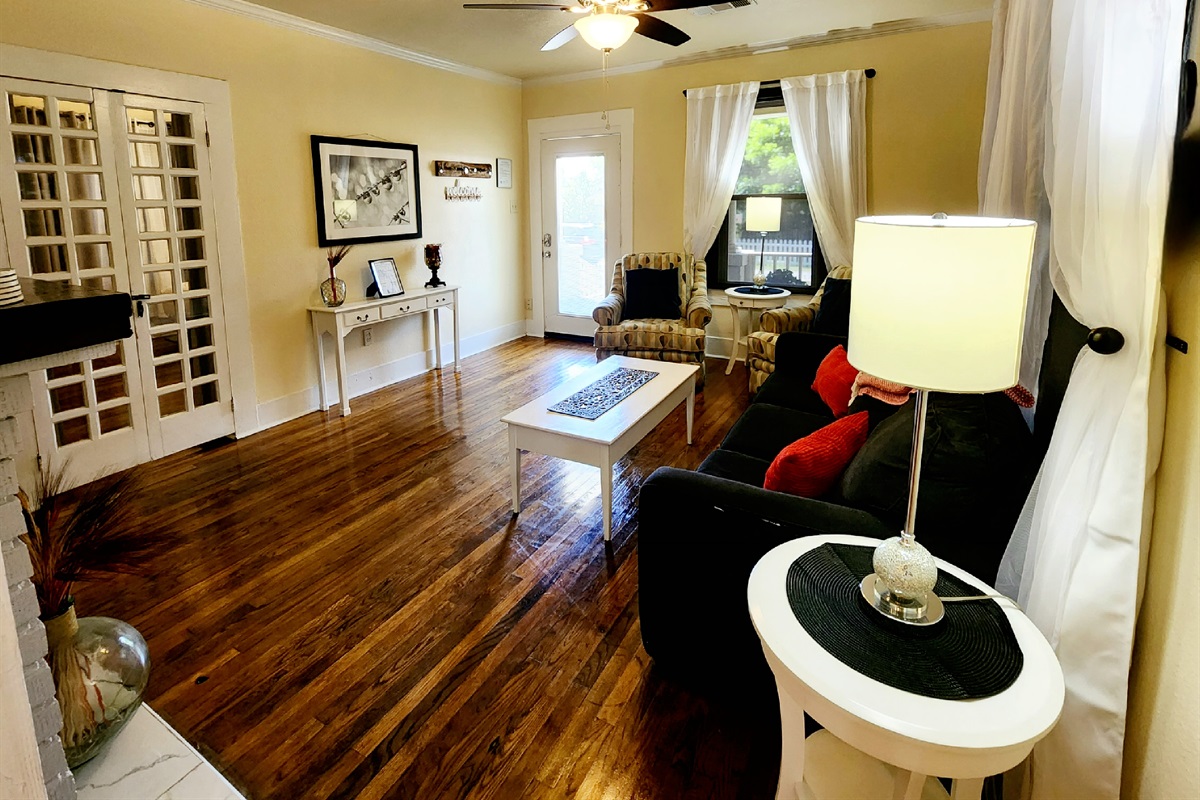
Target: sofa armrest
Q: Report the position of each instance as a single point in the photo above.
(800, 353)
(699, 537)
(782, 320)
(609, 310)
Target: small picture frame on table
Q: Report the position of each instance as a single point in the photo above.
(386, 277)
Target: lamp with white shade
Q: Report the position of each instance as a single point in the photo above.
(763, 214)
(939, 305)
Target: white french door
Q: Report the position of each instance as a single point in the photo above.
(581, 228)
(167, 211)
(111, 191)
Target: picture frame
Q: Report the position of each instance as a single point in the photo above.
(366, 190)
(504, 178)
(386, 277)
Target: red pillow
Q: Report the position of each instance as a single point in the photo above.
(835, 378)
(808, 467)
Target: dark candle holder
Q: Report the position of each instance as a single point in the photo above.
(433, 260)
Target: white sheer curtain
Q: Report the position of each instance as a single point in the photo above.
(718, 122)
(828, 116)
(1012, 152)
(1112, 88)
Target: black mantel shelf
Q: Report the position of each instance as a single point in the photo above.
(57, 316)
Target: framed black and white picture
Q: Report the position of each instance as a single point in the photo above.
(386, 277)
(367, 191)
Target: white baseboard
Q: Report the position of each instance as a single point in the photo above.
(719, 347)
(289, 407)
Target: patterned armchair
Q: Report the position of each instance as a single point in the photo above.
(678, 340)
(761, 349)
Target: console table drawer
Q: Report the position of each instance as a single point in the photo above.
(441, 299)
(401, 307)
(362, 317)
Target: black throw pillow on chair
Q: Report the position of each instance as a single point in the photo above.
(833, 314)
(652, 294)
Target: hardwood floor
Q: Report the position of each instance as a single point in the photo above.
(354, 612)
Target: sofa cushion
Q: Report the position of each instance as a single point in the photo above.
(766, 429)
(975, 450)
(650, 335)
(652, 294)
(788, 390)
(735, 467)
(833, 314)
(877, 410)
(834, 380)
(808, 467)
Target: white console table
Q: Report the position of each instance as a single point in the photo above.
(340, 321)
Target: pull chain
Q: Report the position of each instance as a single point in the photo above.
(604, 75)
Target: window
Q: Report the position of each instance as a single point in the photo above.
(791, 256)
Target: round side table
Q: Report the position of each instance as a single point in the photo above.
(881, 740)
(754, 302)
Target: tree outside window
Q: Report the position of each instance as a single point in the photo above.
(791, 256)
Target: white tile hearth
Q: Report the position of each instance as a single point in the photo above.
(150, 761)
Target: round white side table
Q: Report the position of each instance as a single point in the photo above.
(900, 737)
(753, 302)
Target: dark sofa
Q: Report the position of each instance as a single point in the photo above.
(701, 532)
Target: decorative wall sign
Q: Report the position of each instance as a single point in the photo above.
(504, 173)
(461, 169)
(457, 192)
(366, 191)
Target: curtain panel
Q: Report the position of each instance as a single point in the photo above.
(1012, 153)
(827, 114)
(1074, 560)
(718, 123)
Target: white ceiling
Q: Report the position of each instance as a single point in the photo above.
(508, 42)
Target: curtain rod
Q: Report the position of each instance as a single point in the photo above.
(869, 72)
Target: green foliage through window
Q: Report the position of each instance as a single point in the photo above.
(769, 166)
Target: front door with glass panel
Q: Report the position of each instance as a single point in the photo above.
(581, 228)
(111, 191)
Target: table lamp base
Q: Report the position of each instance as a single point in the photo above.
(910, 612)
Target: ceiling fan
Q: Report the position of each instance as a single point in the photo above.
(608, 24)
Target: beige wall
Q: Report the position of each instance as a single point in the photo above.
(286, 85)
(924, 107)
(1162, 752)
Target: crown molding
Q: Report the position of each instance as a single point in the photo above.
(292, 22)
(761, 48)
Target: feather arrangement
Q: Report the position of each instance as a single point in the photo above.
(81, 534)
(334, 256)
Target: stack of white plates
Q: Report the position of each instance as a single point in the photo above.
(10, 288)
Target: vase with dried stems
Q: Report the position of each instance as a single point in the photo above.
(333, 289)
(100, 665)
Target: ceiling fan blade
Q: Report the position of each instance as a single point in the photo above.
(559, 39)
(659, 31)
(520, 6)
(674, 5)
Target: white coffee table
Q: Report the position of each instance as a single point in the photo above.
(900, 737)
(600, 442)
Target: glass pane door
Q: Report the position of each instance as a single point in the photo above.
(581, 221)
(580, 233)
(63, 221)
(168, 212)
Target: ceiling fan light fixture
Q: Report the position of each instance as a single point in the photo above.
(606, 31)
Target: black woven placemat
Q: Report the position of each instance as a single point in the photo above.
(971, 653)
(593, 400)
(766, 291)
